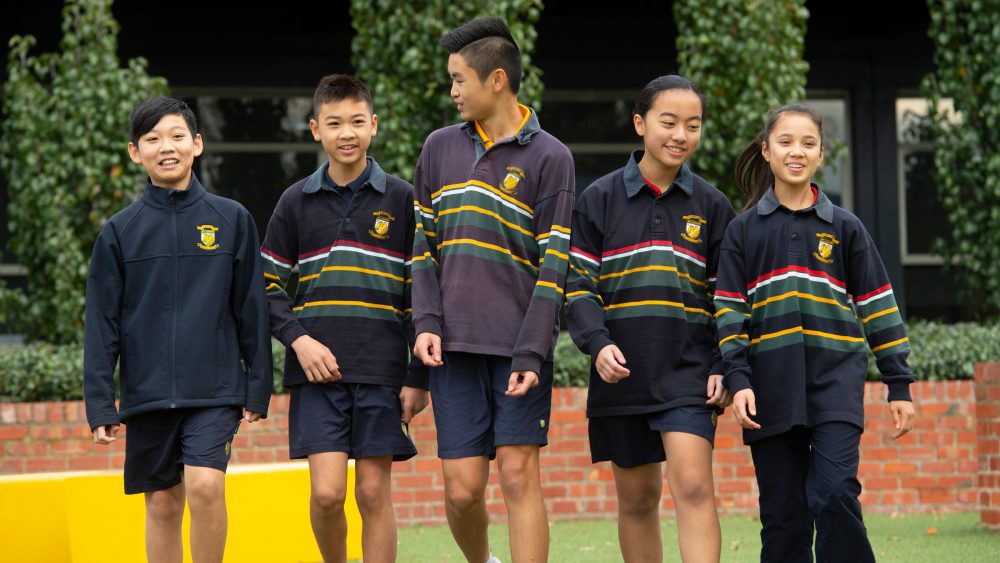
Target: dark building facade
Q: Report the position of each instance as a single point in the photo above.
(249, 74)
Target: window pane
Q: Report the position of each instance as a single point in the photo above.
(925, 218)
(255, 179)
(589, 121)
(834, 176)
(590, 167)
(253, 119)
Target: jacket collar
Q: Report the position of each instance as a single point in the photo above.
(634, 182)
(165, 197)
(823, 206)
(376, 178)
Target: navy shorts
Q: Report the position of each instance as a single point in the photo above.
(634, 440)
(158, 444)
(359, 419)
(473, 415)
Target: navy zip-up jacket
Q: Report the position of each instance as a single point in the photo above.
(175, 292)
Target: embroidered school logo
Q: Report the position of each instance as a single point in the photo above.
(229, 448)
(692, 228)
(207, 237)
(510, 181)
(541, 423)
(824, 250)
(380, 229)
(406, 429)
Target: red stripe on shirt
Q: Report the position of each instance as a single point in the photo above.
(819, 273)
(884, 288)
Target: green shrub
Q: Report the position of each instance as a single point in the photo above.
(41, 372)
(947, 351)
(571, 367)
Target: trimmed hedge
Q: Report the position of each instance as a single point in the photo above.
(45, 372)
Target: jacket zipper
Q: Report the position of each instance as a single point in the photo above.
(173, 308)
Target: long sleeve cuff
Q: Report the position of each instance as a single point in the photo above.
(291, 333)
(526, 362)
(899, 391)
(427, 323)
(736, 382)
(597, 343)
(417, 376)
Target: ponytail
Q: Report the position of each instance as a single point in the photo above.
(753, 174)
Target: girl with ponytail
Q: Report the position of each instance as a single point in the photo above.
(801, 290)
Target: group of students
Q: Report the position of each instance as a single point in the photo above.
(684, 307)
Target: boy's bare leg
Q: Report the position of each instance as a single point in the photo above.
(328, 481)
(639, 489)
(164, 514)
(373, 490)
(689, 472)
(522, 493)
(206, 497)
(465, 505)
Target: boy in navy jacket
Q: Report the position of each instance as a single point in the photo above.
(175, 298)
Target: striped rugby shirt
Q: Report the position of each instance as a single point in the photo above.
(490, 250)
(641, 277)
(353, 292)
(799, 293)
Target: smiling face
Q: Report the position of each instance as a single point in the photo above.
(167, 152)
(794, 150)
(345, 128)
(474, 96)
(671, 128)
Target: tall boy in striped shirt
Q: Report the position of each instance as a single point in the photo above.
(495, 199)
(349, 229)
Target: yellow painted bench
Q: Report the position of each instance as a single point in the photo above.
(84, 517)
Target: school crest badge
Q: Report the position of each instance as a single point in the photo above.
(692, 228)
(824, 249)
(511, 180)
(207, 239)
(380, 229)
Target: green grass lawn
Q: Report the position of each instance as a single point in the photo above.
(933, 538)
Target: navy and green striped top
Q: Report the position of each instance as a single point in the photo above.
(642, 275)
(353, 292)
(490, 250)
(799, 293)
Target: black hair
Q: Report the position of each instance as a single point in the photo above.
(661, 84)
(148, 113)
(486, 45)
(753, 174)
(336, 87)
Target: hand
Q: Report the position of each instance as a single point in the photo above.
(427, 349)
(717, 393)
(745, 402)
(106, 434)
(610, 364)
(902, 417)
(251, 416)
(316, 360)
(414, 400)
(520, 382)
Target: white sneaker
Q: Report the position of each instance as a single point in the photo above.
(493, 559)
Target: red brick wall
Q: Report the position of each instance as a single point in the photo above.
(933, 468)
(987, 384)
